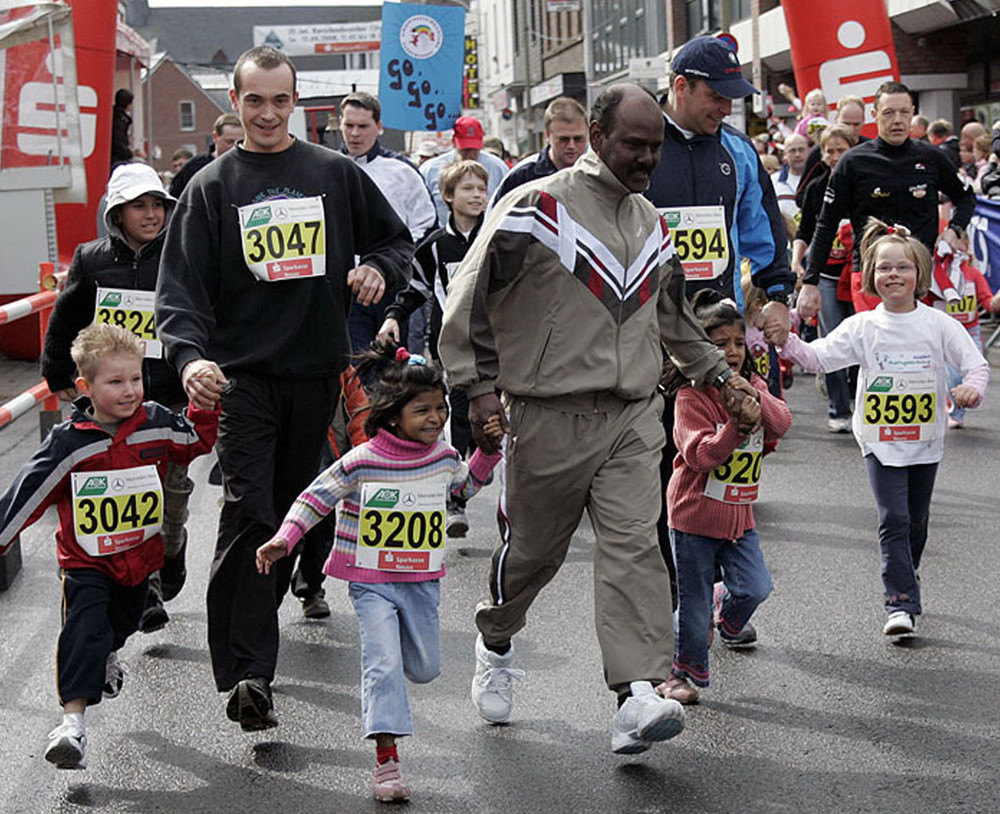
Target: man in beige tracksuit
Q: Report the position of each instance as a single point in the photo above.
(561, 304)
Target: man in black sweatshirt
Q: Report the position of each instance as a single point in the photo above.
(255, 280)
(893, 178)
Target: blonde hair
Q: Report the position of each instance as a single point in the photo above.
(815, 93)
(452, 174)
(876, 233)
(96, 342)
(770, 162)
(838, 131)
(982, 145)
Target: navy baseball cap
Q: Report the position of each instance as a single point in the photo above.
(711, 60)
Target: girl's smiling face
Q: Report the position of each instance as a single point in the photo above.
(731, 341)
(423, 418)
(895, 277)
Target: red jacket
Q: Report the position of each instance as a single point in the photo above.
(154, 435)
(705, 439)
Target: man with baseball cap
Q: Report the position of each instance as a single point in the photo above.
(468, 140)
(716, 197)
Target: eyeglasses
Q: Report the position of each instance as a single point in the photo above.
(885, 268)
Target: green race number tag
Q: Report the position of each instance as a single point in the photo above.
(284, 239)
(401, 526)
(737, 481)
(131, 310)
(116, 510)
(700, 238)
(899, 407)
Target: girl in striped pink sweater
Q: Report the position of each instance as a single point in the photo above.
(390, 541)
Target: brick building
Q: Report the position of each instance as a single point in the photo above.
(182, 113)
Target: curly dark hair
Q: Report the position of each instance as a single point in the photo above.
(713, 310)
(397, 384)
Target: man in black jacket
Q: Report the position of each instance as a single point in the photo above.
(892, 178)
(565, 141)
(226, 132)
(257, 272)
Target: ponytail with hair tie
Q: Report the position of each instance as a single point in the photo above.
(403, 355)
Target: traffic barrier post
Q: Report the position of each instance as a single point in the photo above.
(41, 304)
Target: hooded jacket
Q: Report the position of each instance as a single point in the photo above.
(108, 262)
(568, 291)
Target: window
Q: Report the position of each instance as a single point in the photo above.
(187, 115)
(705, 16)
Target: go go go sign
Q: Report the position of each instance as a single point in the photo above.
(420, 81)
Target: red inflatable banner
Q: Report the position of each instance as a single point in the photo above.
(33, 132)
(843, 48)
(95, 27)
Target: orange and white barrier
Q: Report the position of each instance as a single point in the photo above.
(41, 303)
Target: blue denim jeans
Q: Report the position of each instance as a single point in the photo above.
(832, 313)
(748, 582)
(903, 497)
(399, 629)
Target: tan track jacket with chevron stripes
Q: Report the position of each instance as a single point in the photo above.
(569, 289)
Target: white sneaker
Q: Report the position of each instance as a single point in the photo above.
(644, 719)
(114, 675)
(900, 623)
(67, 746)
(492, 685)
(842, 424)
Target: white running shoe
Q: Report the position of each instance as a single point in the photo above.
(114, 675)
(67, 746)
(900, 623)
(644, 719)
(492, 685)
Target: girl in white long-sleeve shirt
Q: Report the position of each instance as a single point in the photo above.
(903, 348)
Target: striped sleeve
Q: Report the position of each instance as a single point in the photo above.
(38, 483)
(316, 502)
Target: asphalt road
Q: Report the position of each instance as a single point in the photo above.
(825, 715)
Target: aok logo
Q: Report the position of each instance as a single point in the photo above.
(383, 499)
(96, 485)
(41, 108)
(857, 74)
(881, 384)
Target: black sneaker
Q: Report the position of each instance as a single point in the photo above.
(215, 475)
(154, 617)
(251, 706)
(173, 574)
(745, 638)
(314, 606)
(456, 524)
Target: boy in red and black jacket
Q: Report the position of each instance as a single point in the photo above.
(103, 470)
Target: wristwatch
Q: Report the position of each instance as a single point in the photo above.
(722, 378)
(779, 296)
(958, 230)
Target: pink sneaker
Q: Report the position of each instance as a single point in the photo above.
(390, 785)
(715, 614)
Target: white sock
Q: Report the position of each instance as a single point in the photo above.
(73, 718)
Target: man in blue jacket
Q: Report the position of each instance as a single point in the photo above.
(710, 185)
(716, 197)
